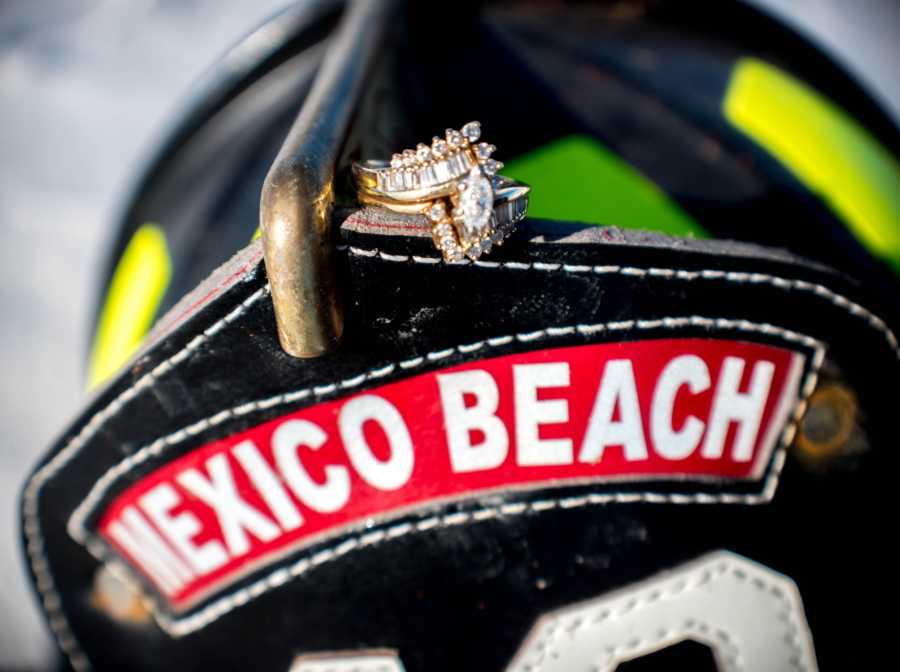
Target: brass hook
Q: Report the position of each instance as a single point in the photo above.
(298, 193)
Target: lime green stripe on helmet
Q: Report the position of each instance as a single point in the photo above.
(824, 148)
(575, 178)
(132, 301)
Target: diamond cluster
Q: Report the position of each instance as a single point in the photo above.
(464, 220)
(464, 224)
(448, 158)
(453, 248)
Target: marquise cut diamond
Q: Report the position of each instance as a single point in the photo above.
(476, 202)
(452, 181)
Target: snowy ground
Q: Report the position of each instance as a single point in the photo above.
(86, 88)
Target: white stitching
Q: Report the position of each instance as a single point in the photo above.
(225, 604)
(31, 522)
(707, 274)
(707, 569)
(349, 661)
(76, 525)
(34, 545)
(699, 629)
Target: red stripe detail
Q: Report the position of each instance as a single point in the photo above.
(432, 478)
(206, 298)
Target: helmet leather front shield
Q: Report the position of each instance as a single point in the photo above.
(669, 444)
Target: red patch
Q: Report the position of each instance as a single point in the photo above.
(686, 410)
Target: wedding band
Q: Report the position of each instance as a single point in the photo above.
(453, 182)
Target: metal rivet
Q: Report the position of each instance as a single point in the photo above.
(119, 598)
(828, 423)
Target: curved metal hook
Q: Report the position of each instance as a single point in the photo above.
(297, 196)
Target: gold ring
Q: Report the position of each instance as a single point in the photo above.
(455, 183)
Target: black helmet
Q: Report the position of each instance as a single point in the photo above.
(644, 431)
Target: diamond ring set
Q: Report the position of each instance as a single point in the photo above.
(455, 183)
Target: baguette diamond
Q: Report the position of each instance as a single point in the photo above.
(454, 182)
(446, 160)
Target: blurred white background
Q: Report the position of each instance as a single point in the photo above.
(86, 89)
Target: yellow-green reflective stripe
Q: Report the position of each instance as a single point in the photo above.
(134, 295)
(824, 148)
(576, 178)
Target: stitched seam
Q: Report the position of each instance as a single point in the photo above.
(31, 522)
(222, 606)
(700, 630)
(34, 544)
(738, 277)
(281, 575)
(385, 663)
(703, 575)
(76, 525)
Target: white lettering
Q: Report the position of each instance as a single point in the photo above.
(181, 529)
(322, 497)
(460, 420)
(235, 516)
(396, 470)
(268, 485)
(730, 405)
(531, 413)
(140, 540)
(616, 385)
(686, 370)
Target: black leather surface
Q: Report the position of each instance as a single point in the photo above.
(463, 597)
